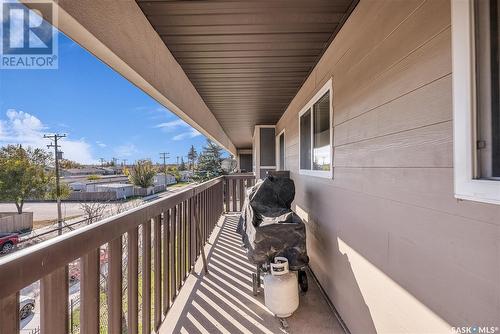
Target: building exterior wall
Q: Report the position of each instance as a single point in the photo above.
(391, 246)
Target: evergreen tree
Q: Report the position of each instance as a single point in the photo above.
(209, 162)
(182, 165)
(192, 155)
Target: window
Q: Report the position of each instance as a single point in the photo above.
(487, 89)
(315, 132)
(476, 103)
(280, 145)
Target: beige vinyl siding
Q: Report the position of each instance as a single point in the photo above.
(393, 248)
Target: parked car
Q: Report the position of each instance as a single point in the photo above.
(26, 306)
(8, 242)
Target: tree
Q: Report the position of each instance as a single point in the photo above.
(142, 174)
(24, 174)
(68, 164)
(93, 211)
(175, 172)
(93, 177)
(209, 162)
(182, 165)
(192, 156)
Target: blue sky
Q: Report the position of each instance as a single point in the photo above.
(102, 113)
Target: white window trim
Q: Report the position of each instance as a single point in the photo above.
(464, 105)
(279, 163)
(327, 87)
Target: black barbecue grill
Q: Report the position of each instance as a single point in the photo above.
(269, 228)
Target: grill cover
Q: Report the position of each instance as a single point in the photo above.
(269, 227)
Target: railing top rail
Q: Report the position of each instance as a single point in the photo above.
(240, 176)
(30, 264)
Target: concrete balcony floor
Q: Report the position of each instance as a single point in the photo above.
(223, 302)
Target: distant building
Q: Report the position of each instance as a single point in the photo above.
(122, 190)
(186, 176)
(82, 171)
(162, 179)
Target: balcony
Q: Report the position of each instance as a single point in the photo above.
(154, 277)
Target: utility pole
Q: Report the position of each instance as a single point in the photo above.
(164, 156)
(55, 137)
(124, 162)
(178, 161)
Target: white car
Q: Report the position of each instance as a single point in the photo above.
(26, 306)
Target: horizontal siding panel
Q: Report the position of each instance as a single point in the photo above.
(430, 62)
(410, 35)
(405, 113)
(430, 188)
(359, 36)
(430, 146)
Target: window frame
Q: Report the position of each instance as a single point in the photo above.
(280, 165)
(467, 186)
(327, 87)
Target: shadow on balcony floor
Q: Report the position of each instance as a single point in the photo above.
(222, 301)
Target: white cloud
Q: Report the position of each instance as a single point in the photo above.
(26, 129)
(126, 150)
(172, 125)
(100, 144)
(187, 135)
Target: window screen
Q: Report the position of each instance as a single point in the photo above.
(305, 140)
(487, 85)
(321, 134)
(282, 151)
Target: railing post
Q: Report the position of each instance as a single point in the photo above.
(146, 277)
(89, 292)
(132, 280)
(157, 272)
(166, 261)
(173, 256)
(54, 302)
(226, 193)
(114, 286)
(9, 314)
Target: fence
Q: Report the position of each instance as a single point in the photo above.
(15, 222)
(98, 196)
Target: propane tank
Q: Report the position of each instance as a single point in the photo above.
(281, 290)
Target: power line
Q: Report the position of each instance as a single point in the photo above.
(57, 154)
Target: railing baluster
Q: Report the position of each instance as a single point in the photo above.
(54, 302)
(132, 281)
(197, 221)
(89, 292)
(173, 251)
(157, 272)
(186, 236)
(9, 314)
(234, 193)
(226, 193)
(205, 235)
(182, 250)
(146, 277)
(242, 193)
(190, 235)
(114, 286)
(166, 261)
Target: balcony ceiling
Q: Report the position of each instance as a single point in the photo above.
(247, 58)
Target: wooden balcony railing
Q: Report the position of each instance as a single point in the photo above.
(161, 236)
(235, 186)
